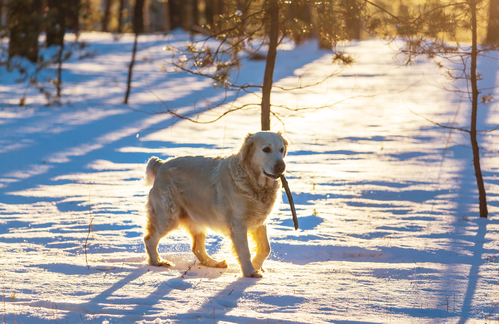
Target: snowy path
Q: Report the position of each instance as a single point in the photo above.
(389, 231)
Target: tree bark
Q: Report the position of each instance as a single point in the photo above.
(146, 8)
(474, 110)
(166, 19)
(59, 73)
(107, 15)
(270, 64)
(120, 16)
(195, 13)
(87, 7)
(1, 14)
(138, 17)
(209, 12)
(130, 69)
(138, 27)
(186, 15)
(24, 25)
(175, 13)
(56, 21)
(493, 23)
(73, 19)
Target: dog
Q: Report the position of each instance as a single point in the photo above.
(232, 195)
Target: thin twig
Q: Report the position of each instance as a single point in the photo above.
(90, 224)
(192, 265)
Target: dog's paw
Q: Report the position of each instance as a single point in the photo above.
(215, 264)
(221, 264)
(254, 274)
(164, 263)
(261, 269)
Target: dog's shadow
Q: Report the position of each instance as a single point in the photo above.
(190, 267)
(185, 263)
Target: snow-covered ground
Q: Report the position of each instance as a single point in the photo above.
(387, 203)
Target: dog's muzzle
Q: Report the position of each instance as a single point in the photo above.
(277, 170)
(271, 176)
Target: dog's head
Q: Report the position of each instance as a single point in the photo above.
(264, 153)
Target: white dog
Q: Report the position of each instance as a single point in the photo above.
(232, 195)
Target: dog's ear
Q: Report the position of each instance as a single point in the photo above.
(284, 141)
(248, 148)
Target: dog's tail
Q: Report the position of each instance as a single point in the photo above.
(152, 167)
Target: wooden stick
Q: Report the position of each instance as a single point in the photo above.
(290, 200)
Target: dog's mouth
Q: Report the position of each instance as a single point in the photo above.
(271, 176)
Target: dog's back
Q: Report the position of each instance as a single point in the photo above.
(191, 186)
(185, 169)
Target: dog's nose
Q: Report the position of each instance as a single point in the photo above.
(279, 167)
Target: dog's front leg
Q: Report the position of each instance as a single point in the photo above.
(262, 247)
(239, 236)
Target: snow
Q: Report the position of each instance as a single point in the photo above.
(387, 202)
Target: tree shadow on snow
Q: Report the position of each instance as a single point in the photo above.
(488, 68)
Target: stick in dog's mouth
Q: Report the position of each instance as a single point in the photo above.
(290, 199)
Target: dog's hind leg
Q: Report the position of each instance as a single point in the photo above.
(262, 247)
(199, 251)
(156, 229)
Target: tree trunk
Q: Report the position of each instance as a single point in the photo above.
(130, 69)
(209, 12)
(59, 73)
(87, 7)
(493, 23)
(24, 24)
(138, 17)
(120, 16)
(195, 13)
(221, 7)
(107, 15)
(474, 109)
(56, 22)
(269, 65)
(73, 19)
(146, 11)
(186, 15)
(175, 14)
(352, 19)
(166, 19)
(1, 14)
(138, 27)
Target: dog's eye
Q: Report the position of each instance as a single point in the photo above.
(281, 150)
(267, 149)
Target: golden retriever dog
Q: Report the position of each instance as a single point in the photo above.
(231, 195)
